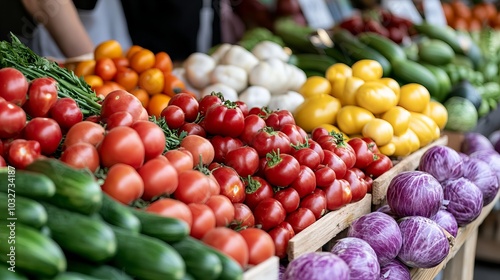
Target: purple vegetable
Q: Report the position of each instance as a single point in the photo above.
(281, 272)
(491, 158)
(497, 146)
(317, 266)
(424, 242)
(395, 270)
(359, 256)
(463, 156)
(481, 174)
(465, 200)
(442, 162)
(387, 210)
(414, 193)
(474, 142)
(381, 231)
(494, 137)
(447, 221)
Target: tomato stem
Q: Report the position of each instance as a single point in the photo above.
(273, 158)
(252, 185)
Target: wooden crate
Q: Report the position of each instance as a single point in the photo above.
(408, 163)
(488, 240)
(267, 270)
(327, 227)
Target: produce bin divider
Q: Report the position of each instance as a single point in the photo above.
(267, 270)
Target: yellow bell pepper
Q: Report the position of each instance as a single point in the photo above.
(348, 96)
(406, 143)
(367, 69)
(414, 97)
(437, 112)
(352, 119)
(399, 118)
(379, 130)
(315, 85)
(425, 128)
(392, 84)
(375, 97)
(388, 149)
(337, 75)
(317, 110)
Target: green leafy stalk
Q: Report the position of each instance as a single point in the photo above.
(172, 137)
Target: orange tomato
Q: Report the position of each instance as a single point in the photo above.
(474, 24)
(142, 60)
(105, 68)
(127, 78)
(108, 49)
(142, 95)
(460, 9)
(93, 80)
(448, 12)
(85, 68)
(132, 50)
(163, 62)
(460, 24)
(157, 103)
(121, 62)
(491, 10)
(152, 80)
(173, 85)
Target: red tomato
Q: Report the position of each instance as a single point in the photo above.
(121, 100)
(159, 176)
(230, 183)
(305, 183)
(259, 111)
(300, 219)
(317, 148)
(243, 217)
(257, 189)
(358, 186)
(225, 120)
(116, 119)
(187, 103)
(337, 194)
(174, 116)
(193, 129)
(344, 151)
(22, 152)
(2, 162)
(372, 146)
(81, 155)
(12, 119)
(281, 169)
(244, 160)
(307, 157)
(253, 124)
(42, 95)
(364, 156)
(213, 184)
(228, 242)
(193, 187)
(222, 145)
(280, 236)
(123, 183)
(316, 202)
(267, 140)
(324, 176)
(66, 112)
(289, 199)
(46, 131)
(169, 207)
(279, 118)
(318, 132)
(223, 209)
(86, 132)
(294, 134)
(335, 162)
(152, 137)
(207, 102)
(379, 166)
(122, 145)
(201, 149)
(13, 86)
(260, 245)
(269, 213)
(180, 158)
(203, 219)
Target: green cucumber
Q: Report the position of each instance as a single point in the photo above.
(383, 45)
(27, 211)
(413, 72)
(69, 275)
(314, 62)
(76, 190)
(117, 214)
(31, 252)
(435, 52)
(27, 183)
(81, 235)
(164, 228)
(6, 274)
(201, 263)
(147, 258)
(443, 81)
(102, 271)
(231, 270)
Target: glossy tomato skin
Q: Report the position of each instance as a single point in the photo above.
(260, 245)
(193, 187)
(159, 176)
(2, 162)
(42, 95)
(338, 194)
(315, 146)
(305, 183)
(180, 158)
(372, 146)
(257, 189)
(21, 153)
(224, 120)
(229, 242)
(318, 132)
(243, 107)
(200, 147)
(300, 219)
(281, 169)
(81, 155)
(13, 86)
(207, 101)
(223, 209)
(86, 132)
(346, 153)
(66, 113)
(307, 157)
(379, 166)
(230, 183)
(123, 183)
(223, 145)
(267, 140)
(193, 129)
(253, 123)
(358, 186)
(364, 156)
(174, 116)
(333, 161)
(279, 118)
(243, 217)
(316, 202)
(170, 207)
(289, 199)
(325, 175)
(12, 119)
(203, 219)
(187, 103)
(152, 137)
(121, 145)
(294, 134)
(280, 237)
(46, 131)
(269, 213)
(116, 119)
(244, 160)
(121, 100)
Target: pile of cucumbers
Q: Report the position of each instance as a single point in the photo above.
(67, 228)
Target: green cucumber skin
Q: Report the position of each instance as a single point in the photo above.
(201, 263)
(29, 184)
(98, 271)
(26, 210)
(164, 228)
(117, 214)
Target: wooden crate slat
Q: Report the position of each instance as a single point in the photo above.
(327, 227)
(267, 270)
(408, 163)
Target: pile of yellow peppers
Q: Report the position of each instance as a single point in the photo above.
(359, 102)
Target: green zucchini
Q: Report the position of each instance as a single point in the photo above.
(435, 52)
(76, 190)
(27, 183)
(147, 258)
(25, 210)
(231, 270)
(314, 62)
(413, 72)
(69, 275)
(443, 81)
(102, 271)
(81, 235)
(383, 45)
(164, 228)
(117, 214)
(6, 274)
(33, 254)
(188, 276)
(201, 263)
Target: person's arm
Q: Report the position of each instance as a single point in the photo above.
(61, 19)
